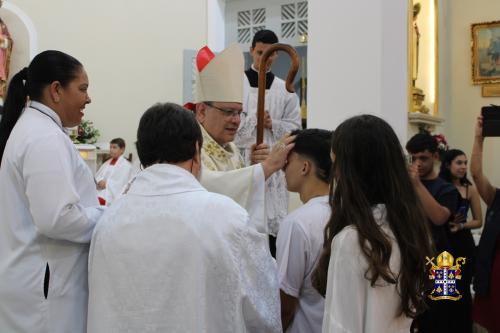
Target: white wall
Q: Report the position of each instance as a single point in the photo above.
(273, 19)
(132, 51)
(357, 62)
(216, 25)
(463, 100)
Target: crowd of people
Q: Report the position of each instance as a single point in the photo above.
(187, 245)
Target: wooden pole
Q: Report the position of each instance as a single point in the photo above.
(262, 82)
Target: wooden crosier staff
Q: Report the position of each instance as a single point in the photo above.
(262, 82)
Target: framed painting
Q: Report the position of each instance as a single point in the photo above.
(486, 52)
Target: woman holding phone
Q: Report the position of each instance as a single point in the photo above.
(454, 170)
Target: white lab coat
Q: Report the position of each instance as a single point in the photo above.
(169, 256)
(48, 205)
(116, 177)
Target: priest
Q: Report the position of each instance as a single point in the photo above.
(218, 108)
(169, 256)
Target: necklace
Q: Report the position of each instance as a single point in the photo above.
(48, 115)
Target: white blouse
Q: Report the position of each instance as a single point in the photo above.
(352, 304)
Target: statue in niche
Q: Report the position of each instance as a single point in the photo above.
(418, 94)
(416, 41)
(6, 44)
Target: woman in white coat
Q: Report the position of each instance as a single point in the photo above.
(48, 199)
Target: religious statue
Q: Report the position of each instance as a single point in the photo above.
(5, 52)
(418, 94)
(416, 42)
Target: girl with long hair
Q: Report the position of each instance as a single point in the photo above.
(373, 267)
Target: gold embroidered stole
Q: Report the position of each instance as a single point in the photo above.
(218, 158)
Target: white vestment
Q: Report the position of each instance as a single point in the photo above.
(352, 305)
(169, 256)
(283, 108)
(223, 173)
(48, 209)
(116, 177)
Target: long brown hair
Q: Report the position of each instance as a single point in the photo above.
(369, 169)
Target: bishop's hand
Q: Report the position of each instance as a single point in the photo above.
(277, 158)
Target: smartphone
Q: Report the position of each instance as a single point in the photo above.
(462, 210)
(491, 120)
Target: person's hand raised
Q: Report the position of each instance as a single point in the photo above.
(478, 130)
(413, 173)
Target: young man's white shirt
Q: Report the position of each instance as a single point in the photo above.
(298, 248)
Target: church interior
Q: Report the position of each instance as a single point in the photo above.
(417, 64)
(356, 56)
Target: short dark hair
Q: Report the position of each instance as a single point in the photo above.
(421, 142)
(264, 36)
(119, 142)
(167, 133)
(314, 144)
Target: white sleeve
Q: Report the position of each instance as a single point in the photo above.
(346, 286)
(246, 186)
(247, 132)
(259, 284)
(291, 117)
(292, 249)
(99, 175)
(52, 195)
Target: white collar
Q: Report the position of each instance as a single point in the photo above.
(164, 179)
(48, 112)
(255, 70)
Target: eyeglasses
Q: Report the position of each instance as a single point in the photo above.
(227, 113)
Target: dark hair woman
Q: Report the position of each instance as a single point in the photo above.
(372, 270)
(48, 199)
(454, 170)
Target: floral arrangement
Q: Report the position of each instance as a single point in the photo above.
(442, 143)
(86, 133)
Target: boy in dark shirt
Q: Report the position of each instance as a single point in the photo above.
(439, 198)
(440, 201)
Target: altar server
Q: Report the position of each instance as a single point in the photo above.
(114, 174)
(281, 116)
